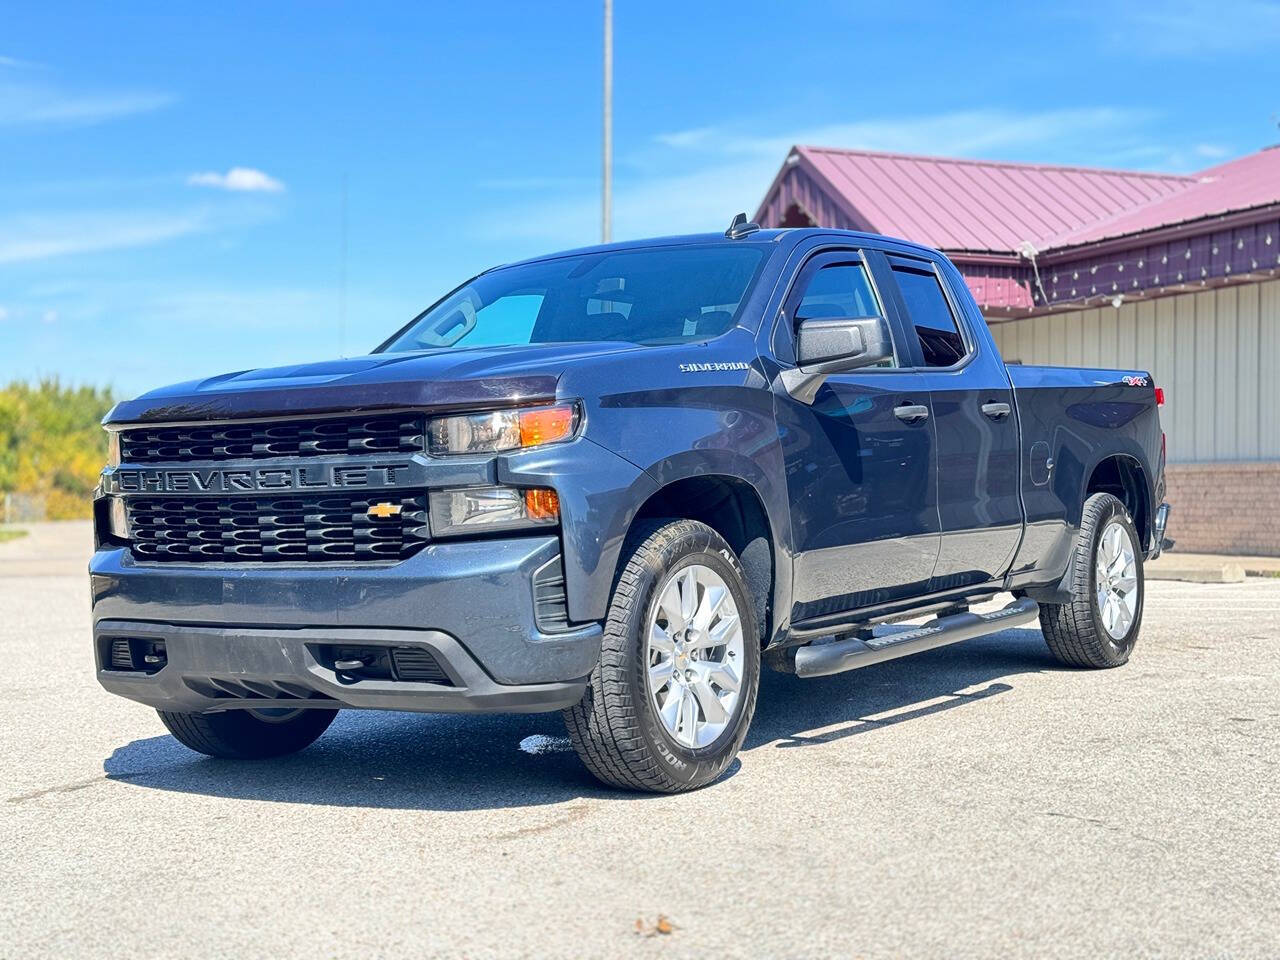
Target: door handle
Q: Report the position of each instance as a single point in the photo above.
(996, 411)
(911, 413)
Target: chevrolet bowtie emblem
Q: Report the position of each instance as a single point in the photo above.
(384, 511)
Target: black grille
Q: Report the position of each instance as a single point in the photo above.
(121, 654)
(133, 653)
(320, 527)
(223, 688)
(333, 436)
(413, 663)
(550, 602)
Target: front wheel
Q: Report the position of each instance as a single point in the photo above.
(669, 702)
(1099, 627)
(248, 734)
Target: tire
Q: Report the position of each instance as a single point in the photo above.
(1079, 633)
(246, 734)
(618, 728)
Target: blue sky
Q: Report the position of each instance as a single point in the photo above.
(171, 174)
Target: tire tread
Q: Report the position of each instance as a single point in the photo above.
(604, 726)
(1071, 629)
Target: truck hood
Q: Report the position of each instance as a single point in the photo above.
(436, 379)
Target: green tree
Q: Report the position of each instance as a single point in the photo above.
(52, 444)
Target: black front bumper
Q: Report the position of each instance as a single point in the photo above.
(209, 668)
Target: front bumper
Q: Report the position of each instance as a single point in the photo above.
(225, 668)
(259, 627)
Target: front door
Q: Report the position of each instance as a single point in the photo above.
(860, 460)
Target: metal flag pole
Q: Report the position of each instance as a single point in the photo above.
(606, 211)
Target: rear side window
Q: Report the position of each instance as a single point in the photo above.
(929, 312)
(838, 290)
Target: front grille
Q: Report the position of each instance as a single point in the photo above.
(236, 529)
(331, 436)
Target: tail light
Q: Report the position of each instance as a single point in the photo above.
(1159, 396)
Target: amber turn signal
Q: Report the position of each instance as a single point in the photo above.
(541, 504)
(546, 425)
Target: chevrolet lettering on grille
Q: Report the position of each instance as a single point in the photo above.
(314, 476)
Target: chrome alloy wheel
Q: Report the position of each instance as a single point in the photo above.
(695, 655)
(1116, 580)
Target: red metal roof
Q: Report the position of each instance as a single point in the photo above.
(1251, 181)
(1077, 219)
(977, 205)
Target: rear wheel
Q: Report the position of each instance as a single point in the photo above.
(671, 698)
(248, 734)
(1099, 627)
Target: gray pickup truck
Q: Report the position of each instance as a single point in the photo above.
(614, 482)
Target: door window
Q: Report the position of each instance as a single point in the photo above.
(929, 312)
(840, 290)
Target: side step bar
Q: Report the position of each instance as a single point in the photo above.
(849, 654)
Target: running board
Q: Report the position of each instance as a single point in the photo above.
(827, 658)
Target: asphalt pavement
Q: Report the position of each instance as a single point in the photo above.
(974, 801)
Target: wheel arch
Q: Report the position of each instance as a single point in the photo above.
(733, 508)
(1124, 478)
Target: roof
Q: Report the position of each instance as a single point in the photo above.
(978, 206)
(1241, 184)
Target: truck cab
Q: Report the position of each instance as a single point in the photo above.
(615, 482)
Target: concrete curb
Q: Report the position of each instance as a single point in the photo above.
(1223, 573)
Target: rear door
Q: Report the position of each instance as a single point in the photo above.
(976, 428)
(860, 460)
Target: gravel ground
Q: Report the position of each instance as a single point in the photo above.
(972, 801)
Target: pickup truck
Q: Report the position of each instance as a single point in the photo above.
(617, 482)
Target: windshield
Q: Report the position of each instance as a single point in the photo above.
(647, 296)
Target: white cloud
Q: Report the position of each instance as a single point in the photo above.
(686, 138)
(124, 330)
(1192, 28)
(959, 133)
(237, 178)
(49, 316)
(25, 104)
(1212, 151)
(31, 100)
(39, 237)
(695, 180)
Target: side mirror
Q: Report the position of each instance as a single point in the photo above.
(834, 345)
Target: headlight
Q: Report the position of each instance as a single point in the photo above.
(113, 448)
(490, 510)
(502, 430)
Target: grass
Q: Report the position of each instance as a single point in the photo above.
(11, 535)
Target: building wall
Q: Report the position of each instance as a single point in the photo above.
(1216, 353)
(1225, 507)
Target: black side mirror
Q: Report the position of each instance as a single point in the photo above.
(830, 345)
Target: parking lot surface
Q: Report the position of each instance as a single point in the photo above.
(976, 800)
